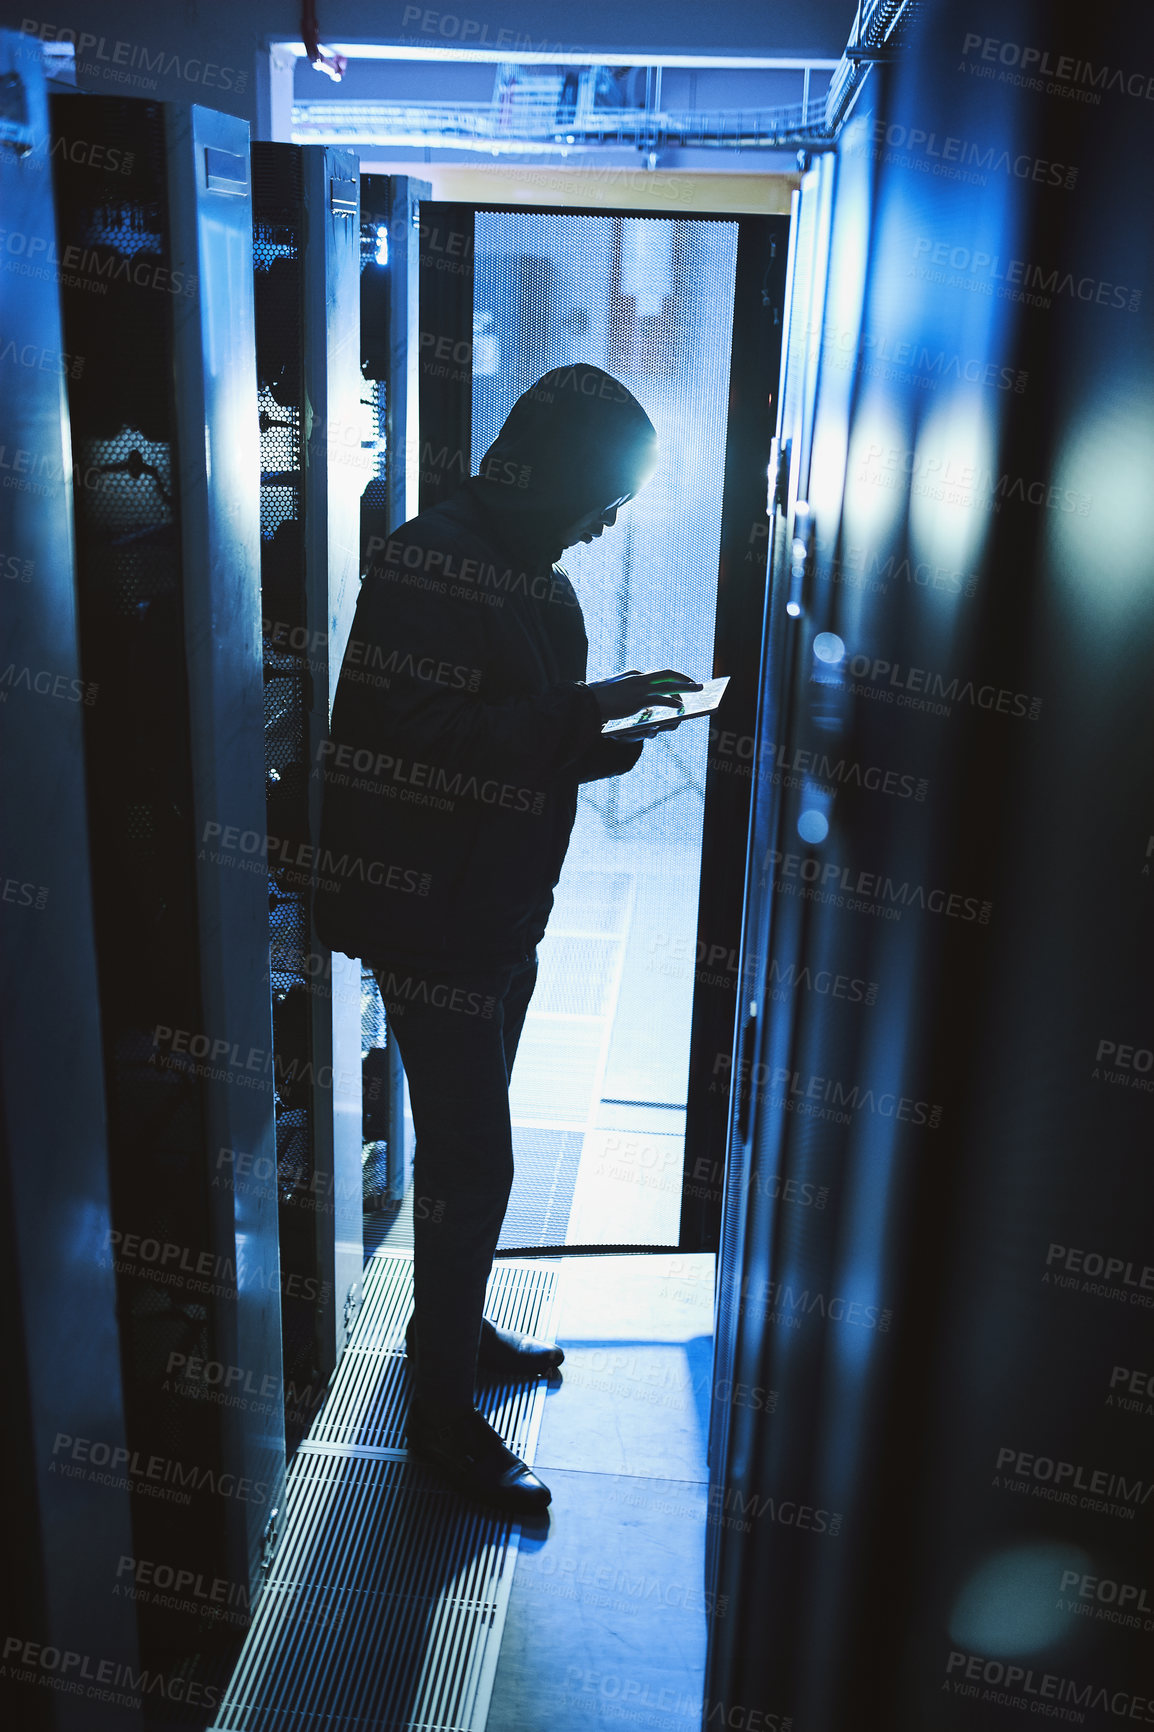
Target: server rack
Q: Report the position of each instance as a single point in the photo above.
(313, 467)
(745, 1237)
(921, 1167)
(390, 343)
(59, 1290)
(153, 249)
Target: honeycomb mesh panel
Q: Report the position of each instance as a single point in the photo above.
(649, 299)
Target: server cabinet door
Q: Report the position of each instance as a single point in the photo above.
(931, 1506)
(405, 196)
(66, 1529)
(306, 256)
(789, 534)
(153, 214)
(333, 482)
(390, 349)
(214, 362)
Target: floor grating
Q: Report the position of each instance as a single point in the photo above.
(387, 1597)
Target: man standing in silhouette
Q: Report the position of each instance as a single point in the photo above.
(462, 730)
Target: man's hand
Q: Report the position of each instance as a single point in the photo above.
(631, 691)
(646, 730)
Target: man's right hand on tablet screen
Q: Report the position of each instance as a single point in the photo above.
(626, 693)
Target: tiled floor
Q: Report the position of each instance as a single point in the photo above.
(605, 1050)
(606, 1621)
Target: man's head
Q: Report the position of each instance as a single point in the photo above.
(573, 449)
(594, 524)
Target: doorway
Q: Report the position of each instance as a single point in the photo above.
(604, 1075)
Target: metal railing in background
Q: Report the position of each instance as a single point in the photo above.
(550, 110)
(537, 122)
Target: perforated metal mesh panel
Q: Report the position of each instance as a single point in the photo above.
(650, 299)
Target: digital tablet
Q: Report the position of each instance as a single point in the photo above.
(702, 703)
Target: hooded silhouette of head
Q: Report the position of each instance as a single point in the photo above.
(575, 443)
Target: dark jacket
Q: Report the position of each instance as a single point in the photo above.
(460, 734)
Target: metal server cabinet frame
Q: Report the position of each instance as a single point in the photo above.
(167, 585)
(404, 199)
(390, 357)
(971, 1226)
(807, 263)
(311, 195)
(750, 1221)
(332, 575)
(59, 1290)
(211, 211)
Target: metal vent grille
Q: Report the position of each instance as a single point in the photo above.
(387, 1598)
(367, 1403)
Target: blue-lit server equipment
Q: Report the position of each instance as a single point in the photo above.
(67, 1522)
(931, 1486)
(153, 257)
(315, 443)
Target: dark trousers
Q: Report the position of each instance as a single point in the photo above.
(457, 1034)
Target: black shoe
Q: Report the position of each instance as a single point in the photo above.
(468, 1452)
(503, 1357)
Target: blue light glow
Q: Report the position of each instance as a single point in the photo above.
(813, 826)
(828, 647)
(381, 256)
(1012, 1602)
(793, 609)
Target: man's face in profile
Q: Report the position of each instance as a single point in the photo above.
(594, 524)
